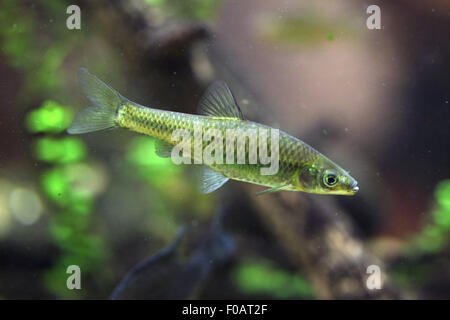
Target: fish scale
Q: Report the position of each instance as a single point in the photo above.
(293, 153)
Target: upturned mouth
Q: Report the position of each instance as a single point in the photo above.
(354, 187)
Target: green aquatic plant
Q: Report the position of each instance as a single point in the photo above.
(70, 228)
(306, 29)
(194, 9)
(16, 29)
(435, 235)
(263, 278)
(28, 34)
(431, 240)
(51, 117)
(63, 150)
(156, 170)
(411, 275)
(71, 185)
(442, 212)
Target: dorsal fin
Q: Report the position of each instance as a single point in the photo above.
(218, 101)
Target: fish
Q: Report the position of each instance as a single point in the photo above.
(299, 166)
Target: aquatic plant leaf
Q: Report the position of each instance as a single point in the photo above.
(51, 117)
(64, 150)
(261, 277)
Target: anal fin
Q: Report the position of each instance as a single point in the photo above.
(211, 180)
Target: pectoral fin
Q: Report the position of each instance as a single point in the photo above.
(163, 149)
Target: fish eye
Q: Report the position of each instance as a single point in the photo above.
(330, 179)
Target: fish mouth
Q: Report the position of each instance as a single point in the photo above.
(354, 187)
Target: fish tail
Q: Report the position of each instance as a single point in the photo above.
(105, 102)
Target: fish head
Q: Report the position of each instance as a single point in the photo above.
(324, 177)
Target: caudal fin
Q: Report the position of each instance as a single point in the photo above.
(101, 114)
